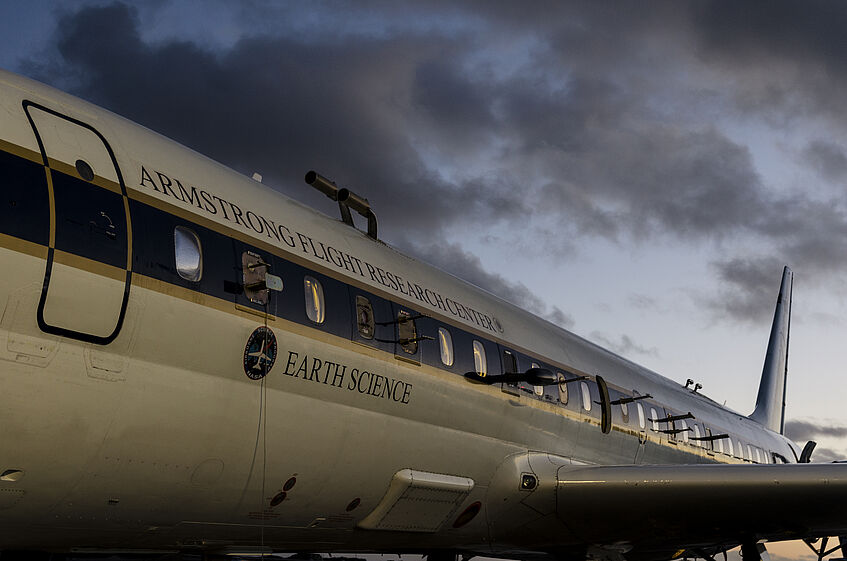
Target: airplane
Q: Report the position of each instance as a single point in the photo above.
(193, 363)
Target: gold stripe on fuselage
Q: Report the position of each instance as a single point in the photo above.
(70, 170)
(89, 265)
(23, 246)
(21, 152)
(230, 307)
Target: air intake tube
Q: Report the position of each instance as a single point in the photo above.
(346, 200)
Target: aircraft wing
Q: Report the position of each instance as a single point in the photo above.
(668, 508)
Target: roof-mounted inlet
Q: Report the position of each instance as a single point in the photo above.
(346, 200)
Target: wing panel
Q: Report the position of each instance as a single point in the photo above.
(702, 505)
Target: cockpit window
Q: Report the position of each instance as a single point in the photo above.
(188, 254)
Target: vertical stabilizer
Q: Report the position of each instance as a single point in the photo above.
(770, 403)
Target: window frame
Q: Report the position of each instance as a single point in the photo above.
(445, 343)
(185, 238)
(318, 312)
(479, 358)
(585, 396)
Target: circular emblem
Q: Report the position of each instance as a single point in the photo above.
(260, 353)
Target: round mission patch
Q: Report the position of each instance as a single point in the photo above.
(260, 353)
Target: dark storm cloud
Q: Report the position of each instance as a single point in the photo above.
(549, 124)
(624, 345)
(795, 54)
(800, 430)
(823, 455)
(749, 288)
(827, 157)
(281, 105)
(271, 104)
(453, 259)
(747, 32)
(808, 236)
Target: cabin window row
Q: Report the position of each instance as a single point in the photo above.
(188, 257)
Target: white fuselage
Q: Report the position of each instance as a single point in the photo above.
(157, 439)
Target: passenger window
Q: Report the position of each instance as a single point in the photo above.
(586, 396)
(684, 431)
(188, 254)
(625, 412)
(563, 388)
(641, 421)
(314, 293)
(718, 444)
(480, 364)
(539, 390)
(740, 449)
(758, 456)
(654, 419)
(445, 343)
(407, 332)
(696, 440)
(365, 318)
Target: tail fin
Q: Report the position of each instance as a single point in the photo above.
(770, 403)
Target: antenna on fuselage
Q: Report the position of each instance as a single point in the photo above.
(346, 200)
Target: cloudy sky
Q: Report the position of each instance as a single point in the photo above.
(637, 174)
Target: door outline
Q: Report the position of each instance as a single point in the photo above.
(42, 324)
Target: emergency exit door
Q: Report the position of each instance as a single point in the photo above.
(88, 274)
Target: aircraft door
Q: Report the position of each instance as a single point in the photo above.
(89, 262)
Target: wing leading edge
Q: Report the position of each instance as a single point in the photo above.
(667, 508)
